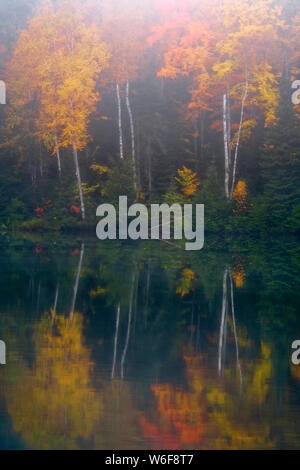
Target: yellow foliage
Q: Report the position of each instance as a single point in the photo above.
(188, 181)
(240, 197)
(54, 403)
(56, 63)
(186, 282)
(100, 169)
(98, 291)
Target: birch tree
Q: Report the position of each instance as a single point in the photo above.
(68, 57)
(231, 53)
(124, 30)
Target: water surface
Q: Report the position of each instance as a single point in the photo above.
(146, 346)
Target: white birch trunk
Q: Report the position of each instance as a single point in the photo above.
(58, 156)
(120, 122)
(75, 155)
(132, 136)
(239, 135)
(226, 153)
(229, 123)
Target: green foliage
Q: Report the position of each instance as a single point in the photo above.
(281, 168)
(119, 183)
(217, 208)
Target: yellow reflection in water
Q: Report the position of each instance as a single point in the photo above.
(53, 404)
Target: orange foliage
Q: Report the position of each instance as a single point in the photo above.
(239, 272)
(240, 197)
(124, 30)
(216, 44)
(181, 413)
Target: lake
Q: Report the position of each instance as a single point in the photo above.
(147, 346)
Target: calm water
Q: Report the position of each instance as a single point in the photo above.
(145, 346)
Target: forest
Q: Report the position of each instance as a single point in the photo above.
(148, 345)
(160, 100)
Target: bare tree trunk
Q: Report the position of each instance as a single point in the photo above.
(120, 122)
(239, 134)
(129, 325)
(58, 156)
(225, 132)
(229, 122)
(132, 136)
(116, 342)
(75, 289)
(75, 154)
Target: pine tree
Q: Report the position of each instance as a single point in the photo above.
(281, 165)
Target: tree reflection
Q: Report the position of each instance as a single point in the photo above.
(54, 404)
(209, 416)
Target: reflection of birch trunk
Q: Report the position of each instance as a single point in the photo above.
(239, 135)
(75, 155)
(120, 122)
(129, 326)
(223, 326)
(132, 136)
(235, 331)
(136, 293)
(223, 320)
(56, 298)
(53, 310)
(226, 152)
(75, 289)
(147, 292)
(116, 342)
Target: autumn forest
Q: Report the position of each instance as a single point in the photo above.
(115, 344)
(160, 100)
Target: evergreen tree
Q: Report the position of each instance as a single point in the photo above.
(281, 166)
